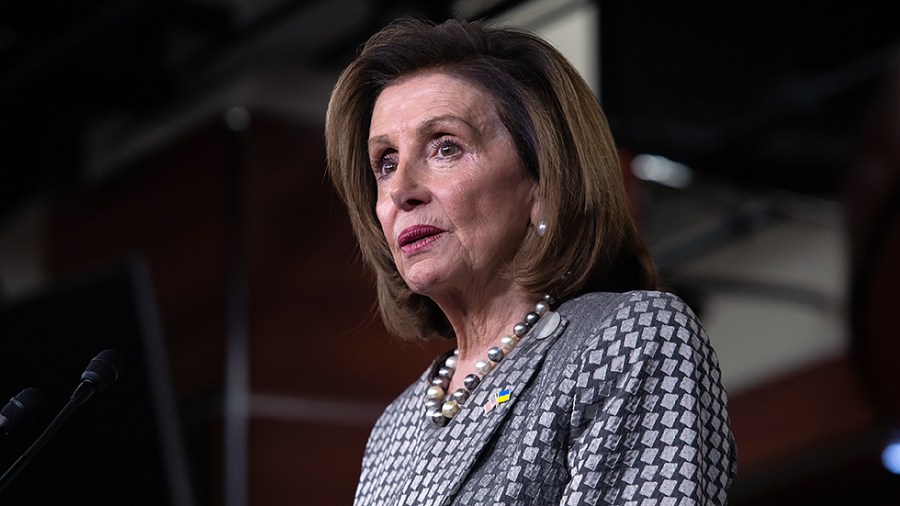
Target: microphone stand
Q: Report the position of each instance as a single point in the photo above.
(39, 443)
(102, 371)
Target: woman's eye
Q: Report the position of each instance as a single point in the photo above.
(386, 167)
(448, 149)
(383, 166)
(384, 162)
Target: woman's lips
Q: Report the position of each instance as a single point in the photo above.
(417, 236)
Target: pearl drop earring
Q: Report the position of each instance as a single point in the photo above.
(541, 228)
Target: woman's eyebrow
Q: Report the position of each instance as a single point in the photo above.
(425, 128)
(378, 140)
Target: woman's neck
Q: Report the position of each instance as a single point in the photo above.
(480, 322)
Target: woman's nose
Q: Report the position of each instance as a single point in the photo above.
(408, 188)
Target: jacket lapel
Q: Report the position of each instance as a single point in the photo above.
(458, 445)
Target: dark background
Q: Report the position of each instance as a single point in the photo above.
(112, 445)
(768, 92)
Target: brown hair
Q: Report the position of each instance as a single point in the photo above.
(561, 137)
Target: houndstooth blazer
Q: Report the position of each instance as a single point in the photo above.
(621, 403)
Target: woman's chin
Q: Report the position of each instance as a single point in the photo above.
(428, 283)
(421, 287)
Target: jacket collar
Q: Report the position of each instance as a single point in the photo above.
(451, 452)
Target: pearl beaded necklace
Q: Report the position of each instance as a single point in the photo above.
(439, 408)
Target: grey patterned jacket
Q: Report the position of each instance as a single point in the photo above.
(620, 404)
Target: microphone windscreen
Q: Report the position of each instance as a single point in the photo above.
(103, 370)
(21, 408)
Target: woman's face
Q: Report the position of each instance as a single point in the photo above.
(454, 201)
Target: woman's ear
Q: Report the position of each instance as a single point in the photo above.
(536, 216)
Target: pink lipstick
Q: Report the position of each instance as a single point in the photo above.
(417, 236)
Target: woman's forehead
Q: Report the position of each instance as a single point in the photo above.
(428, 98)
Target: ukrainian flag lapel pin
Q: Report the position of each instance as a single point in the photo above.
(498, 399)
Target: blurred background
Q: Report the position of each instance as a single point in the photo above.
(162, 192)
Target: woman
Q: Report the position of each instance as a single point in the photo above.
(484, 189)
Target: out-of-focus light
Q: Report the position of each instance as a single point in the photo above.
(237, 119)
(890, 457)
(660, 169)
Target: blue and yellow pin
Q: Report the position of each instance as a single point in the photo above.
(501, 397)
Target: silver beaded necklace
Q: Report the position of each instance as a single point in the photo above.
(441, 408)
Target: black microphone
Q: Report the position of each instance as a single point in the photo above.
(101, 372)
(20, 410)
